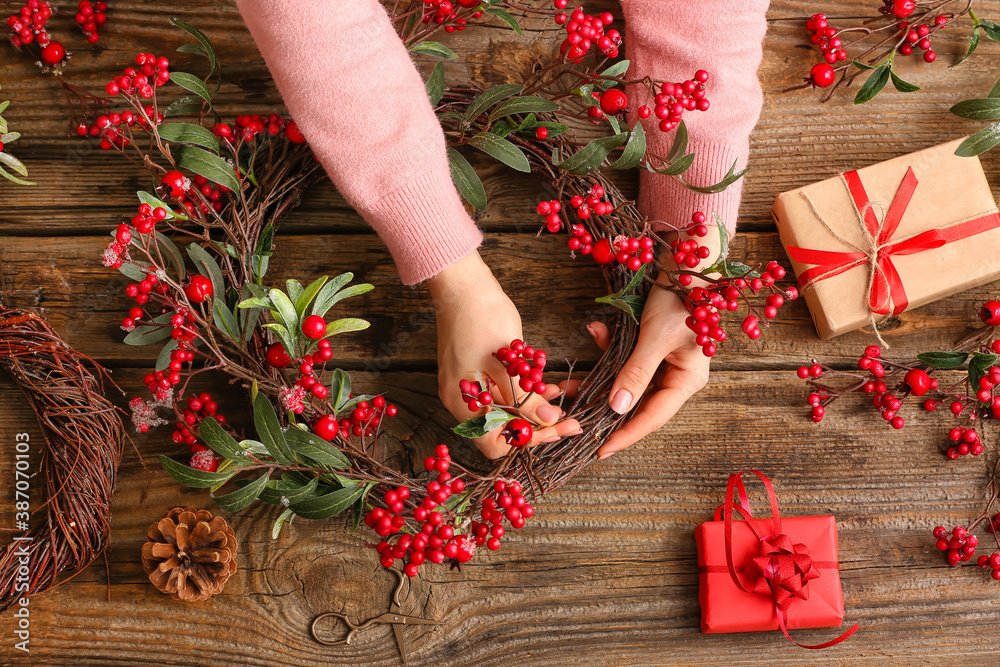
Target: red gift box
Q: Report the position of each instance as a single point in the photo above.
(766, 574)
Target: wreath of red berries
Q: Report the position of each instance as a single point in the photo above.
(81, 444)
(315, 453)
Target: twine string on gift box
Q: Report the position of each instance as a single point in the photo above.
(784, 569)
(883, 285)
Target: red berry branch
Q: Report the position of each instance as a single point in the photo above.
(30, 31)
(973, 400)
(900, 29)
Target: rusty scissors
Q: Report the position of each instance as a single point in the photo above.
(392, 617)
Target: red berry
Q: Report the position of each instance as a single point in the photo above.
(822, 75)
(327, 427)
(293, 133)
(518, 432)
(613, 101)
(603, 253)
(53, 54)
(918, 380)
(541, 133)
(929, 56)
(204, 460)
(277, 357)
(314, 327)
(990, 313)
(177, 182)
(199, 289)
(903, 8)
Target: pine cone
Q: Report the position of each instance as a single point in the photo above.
(189, 554)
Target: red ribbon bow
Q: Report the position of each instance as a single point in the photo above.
(887, 292)
(784, 569)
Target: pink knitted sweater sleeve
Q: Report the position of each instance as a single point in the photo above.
(352, 89)
(670, 40)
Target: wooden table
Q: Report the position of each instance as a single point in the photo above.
(605, 573)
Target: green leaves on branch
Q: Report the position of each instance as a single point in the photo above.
(188, 133)
(6, 159)
(878, 79)
(632, 304)
(488, 98)
(987, 108)
(466, 180)
(434, 49)
(502, 150)
(506, 18)
(203, 163)
(731, 177)
(477, 427)
(988, 28)
(193, 84)
(592, 156)
(203, 47)
(635, 149)
(435, 84)
(945, 361)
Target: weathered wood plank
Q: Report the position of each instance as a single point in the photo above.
(604, 571)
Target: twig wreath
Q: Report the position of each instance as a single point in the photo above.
(223, 188)
(83, 439)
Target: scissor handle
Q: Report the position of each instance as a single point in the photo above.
(353, 629)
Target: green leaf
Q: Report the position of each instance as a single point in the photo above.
(875, 83)
(631, 304)
(147, 334)
(208, 267)
(163, 358)
(434, 49)
(346, 325)
(303, 301)
(488, 98)
(861, 65)
(360, 507)
(220, 442)
(4, 105)
(286, 338)
(507, 18)
(189, 104)
(990, 29)
(979, 109)
(617, 69)
(13, 163)
(980, 142)
(225, 321)
(172, 252)
(285, 493)
(945, 361)
(135, 270)
(284, 310)
(435, 84)
(188, 133)
(14, 179)
(266, 241)
(720, 262)
(189, 476)
(328, 505)
(979, 365)
(203, 163)
(213, 59)
(731, 177)
(632, 284)
(466, 179)
(502, 150)
(555, 129)
(340, 389)
(902, 86)
(192, 83)
(306, 443)
(146, 198)
(332, 293)
(283, 518)
(635, 149)
(255, 302)
(737, 270)
(678, 166)
(973, 43)
(269, 431)
(9, 137)
(592, 155)
(294, 289)
(496, 418)
(472, 428)
(995, 90)
(241, 498)
(527, 104)
(680, 143)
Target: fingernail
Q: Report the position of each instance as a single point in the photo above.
(549, 441)
(605, 456)
(576, 432)
(547, 413)
(621, 402)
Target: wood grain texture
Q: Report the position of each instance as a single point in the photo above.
(605, 573)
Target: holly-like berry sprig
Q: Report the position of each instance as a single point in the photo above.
(973, 400)
(30, 30)
(902, 28)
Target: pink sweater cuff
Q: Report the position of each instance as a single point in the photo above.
(424, 234)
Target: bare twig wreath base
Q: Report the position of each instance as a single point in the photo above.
(82, 438)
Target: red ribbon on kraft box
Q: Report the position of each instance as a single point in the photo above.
(790, 565)
(887, 294)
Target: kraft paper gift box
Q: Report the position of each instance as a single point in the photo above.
(890, 237)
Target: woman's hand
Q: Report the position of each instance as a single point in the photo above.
(475, 318)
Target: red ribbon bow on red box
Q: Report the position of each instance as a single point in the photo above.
(886, 293)
(783, 569)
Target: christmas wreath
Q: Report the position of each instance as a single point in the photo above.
(221, 189)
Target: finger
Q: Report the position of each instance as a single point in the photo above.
(638, 371)
(678, 386)
(570, 387)
(600, 333)
(551, 392)
(493, 445)
(563, 429)
(540, 411)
